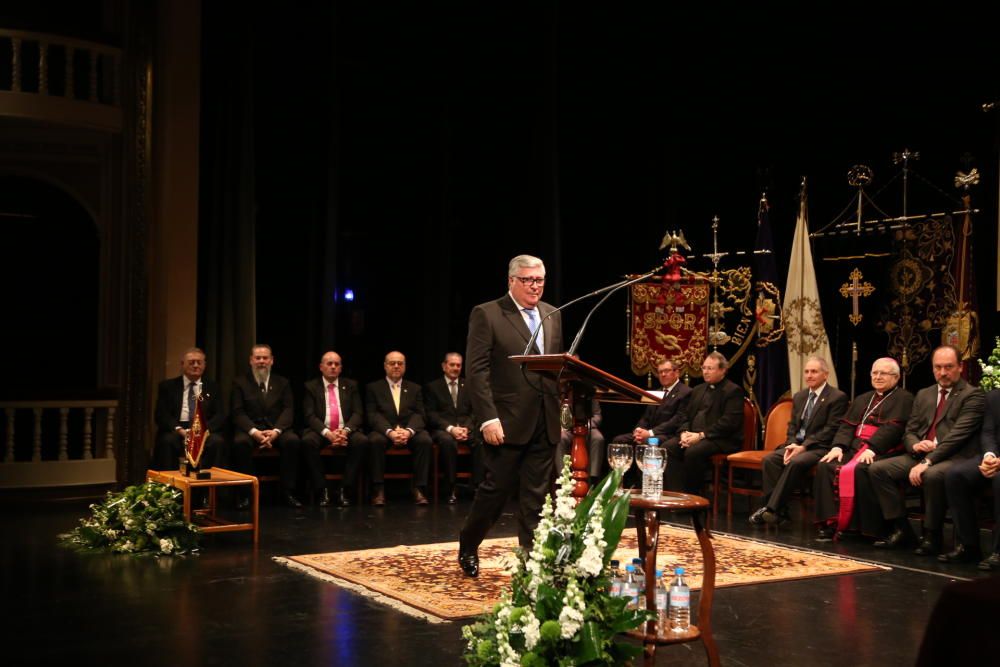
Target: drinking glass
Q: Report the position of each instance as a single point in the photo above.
(620, 458)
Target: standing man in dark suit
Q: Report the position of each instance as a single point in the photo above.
(664, 419)
(519, 411)
(451, 422)
(263, 410)
(816, 414)
(334, 415)
(396, 419)
(175, 405)
(943, 428)
(965, 480)
(714, 425)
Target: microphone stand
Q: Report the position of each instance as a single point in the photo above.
(608, 288)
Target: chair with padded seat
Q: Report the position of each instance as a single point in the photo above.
(775, 432)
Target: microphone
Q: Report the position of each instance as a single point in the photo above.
(608, 288)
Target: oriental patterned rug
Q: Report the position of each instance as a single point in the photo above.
(425, 580)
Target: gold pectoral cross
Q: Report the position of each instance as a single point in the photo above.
(855, 290)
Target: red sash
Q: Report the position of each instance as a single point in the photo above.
(846, 475)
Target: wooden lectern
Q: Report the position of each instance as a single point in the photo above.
(579, 382)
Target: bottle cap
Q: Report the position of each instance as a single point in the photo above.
(653, 441)
(630, 568)
(659, 573)
(614, 563)
(637, 561)
(679, 571)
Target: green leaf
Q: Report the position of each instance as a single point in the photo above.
(604, 490)
(615, 517)
(549, 602)
(630, 620)
(588, 646)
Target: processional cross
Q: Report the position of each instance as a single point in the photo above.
(855, 290)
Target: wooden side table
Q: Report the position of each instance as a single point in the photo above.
(647, 514)
(207, 519)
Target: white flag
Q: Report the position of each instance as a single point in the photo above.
(803, 318)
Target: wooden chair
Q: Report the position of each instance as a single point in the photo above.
(394, 452)
(749, 443)
(260, 456)
(775, 430)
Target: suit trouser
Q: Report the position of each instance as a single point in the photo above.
(170, 448)
(420, 446)
(595, 451)
(527, 468)
(448, 457)
(781, 480)
(886, 475)
(963, 482)
(288, 445)
(686, 466)
(313, 443)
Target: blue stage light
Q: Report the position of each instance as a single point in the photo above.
(348, 295)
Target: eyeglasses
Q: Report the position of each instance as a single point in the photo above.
(877, 374)
(527, 282)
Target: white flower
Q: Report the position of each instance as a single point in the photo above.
(531, 628)
(166, 546)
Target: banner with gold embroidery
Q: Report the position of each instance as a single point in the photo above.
(669, 322)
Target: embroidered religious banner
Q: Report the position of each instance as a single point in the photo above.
(922, 289)
(669, 322)
(198, 433)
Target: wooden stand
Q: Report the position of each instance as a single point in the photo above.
(647, 514)
(207, 519)
(579, 383)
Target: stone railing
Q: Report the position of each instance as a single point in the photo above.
(78, 448)
(63, 80)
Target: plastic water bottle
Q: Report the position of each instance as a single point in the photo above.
(616, 580)
(640, 577)
(652, 473)
(662, 611)
(680, 603)
(630, 588)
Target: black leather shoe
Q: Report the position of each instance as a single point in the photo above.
(452, 499)
(930, 545)
(897, 538)
(961, 554)
(991, 562)
(825, 532)
(292, 501)
(419, 497)
(469, 562)
(324, 498)
(757, 518)
(342, 500)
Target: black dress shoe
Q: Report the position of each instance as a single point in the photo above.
(292, 500)
(991, 562)
(897, 538)
(469, 562)
(324, 498)
(452, 499)
(825, 532)
(419, 497)
(757, 518)
(342, 500)
(961, 554)
(929, 546)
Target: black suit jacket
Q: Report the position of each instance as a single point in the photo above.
(724, 420)
(989, 438)
(665, 418)
(828, 410)
(498, 388)
(314, 404)
(890, 417)
(168, 405)
(382, 415)
(957, 427)
(441, 412)
(252, 408)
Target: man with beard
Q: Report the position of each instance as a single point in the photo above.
(263, 410)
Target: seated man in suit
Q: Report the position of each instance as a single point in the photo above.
(450, 420)
(263, 410)
(943, 428)
(963, 482)
(334, 415)
(714, 425)
(396, 419)
(872, 429)
(663, 420)
(816, 413)
(595, 444)
(175, 407)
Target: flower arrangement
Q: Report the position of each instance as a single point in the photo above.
(991, 369)
(146, 518)
(558, 610)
